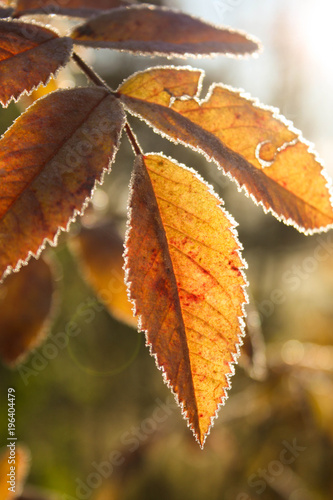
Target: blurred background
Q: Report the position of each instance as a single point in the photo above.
(94, 412)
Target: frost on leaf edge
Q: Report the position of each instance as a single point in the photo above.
(241, 319)
(256, 103)
(169, 54)
(77, 212)
(69, 45)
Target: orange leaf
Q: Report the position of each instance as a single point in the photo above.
(76, 8)
(261, 151)
(50, 160)
(183, 271)
(22, 459)
(32, 288)
(146, 29)
(29, 55)
(100, 251)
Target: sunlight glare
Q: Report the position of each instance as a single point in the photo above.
(315, 26)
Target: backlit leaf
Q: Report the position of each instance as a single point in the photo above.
(22, 459)
(76, 8)
(150, 30)
(42, 91)
(183, 271)
(32, 288)
(29, 55)
(50, 160)
(100, 251)
(263, 153)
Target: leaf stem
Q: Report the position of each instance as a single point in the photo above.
(90, 73)
(133, 140)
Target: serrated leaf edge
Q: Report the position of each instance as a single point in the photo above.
(256, 103)
(51, 75)
(241, 319)
(170, 55)
(76, 213)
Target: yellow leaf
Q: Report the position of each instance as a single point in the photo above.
(264, 154)
(184, 276)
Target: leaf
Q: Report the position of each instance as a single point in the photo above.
(50, 160)
(41, 91)
(22, 465)
(260, 150)
(33, 289)
(100, 252)
(146, 29)
(183, 270)
(29, 55)
(76, 8)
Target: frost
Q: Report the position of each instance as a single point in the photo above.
(36, 54)
(306, 213)
(137, 268)
(111, 30)
(265, 163)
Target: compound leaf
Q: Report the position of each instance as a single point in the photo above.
(29, 55)
(76, 8)
(100, 252)
(146, 29)
(32, 288)
(50, 159)
(183, 270)
(263, 153)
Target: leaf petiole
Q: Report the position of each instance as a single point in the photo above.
(90, 73)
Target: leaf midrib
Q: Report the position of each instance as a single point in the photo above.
(226, 149)
(178, 307)
(44, 165)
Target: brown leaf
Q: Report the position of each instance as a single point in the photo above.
(50, 160)
(76, 8)
(32, 291)
(22, 459)
(100, 251)
(29, 55)
(183, 270)
(146, 29)
(264, 154)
